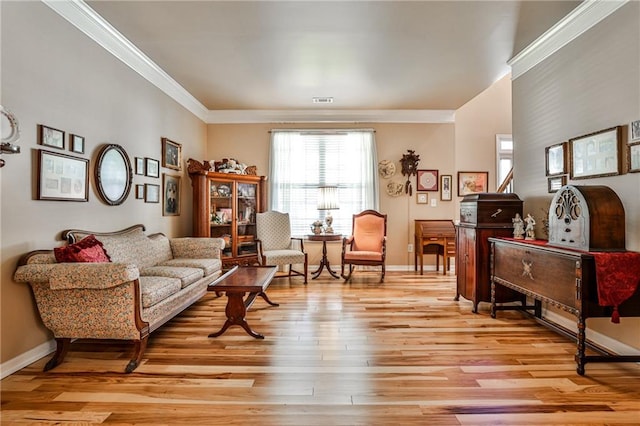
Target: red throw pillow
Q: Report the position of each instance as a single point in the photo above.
(89, 249)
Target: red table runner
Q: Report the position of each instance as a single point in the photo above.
(617, 275)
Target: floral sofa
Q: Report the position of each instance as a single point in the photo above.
(117, 285)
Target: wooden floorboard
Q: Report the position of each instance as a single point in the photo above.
(362, 353)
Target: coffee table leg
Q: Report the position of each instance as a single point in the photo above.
(236, 311)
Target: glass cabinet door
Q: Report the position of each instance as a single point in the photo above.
(221, 213)
(246, 219)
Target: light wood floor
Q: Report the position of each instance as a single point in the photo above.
(398, 353)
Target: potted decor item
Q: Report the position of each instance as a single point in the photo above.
(316, 227)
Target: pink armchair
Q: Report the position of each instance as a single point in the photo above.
(368, 243)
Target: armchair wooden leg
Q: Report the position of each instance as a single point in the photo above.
(306, 267)
(383, 271)
(62, 347)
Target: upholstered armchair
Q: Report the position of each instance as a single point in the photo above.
(367, 244)
(275, 244)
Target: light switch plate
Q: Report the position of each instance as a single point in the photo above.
(434, 202)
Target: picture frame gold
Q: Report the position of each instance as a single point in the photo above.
(171, 154)
(422, 198)
(596, 154)
(446, 186)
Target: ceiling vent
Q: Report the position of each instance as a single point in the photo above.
(322, 100)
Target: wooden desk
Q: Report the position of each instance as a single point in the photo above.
(434, 237)
(236, 283)
(560, 277)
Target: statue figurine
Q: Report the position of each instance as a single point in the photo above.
(518, 227)
(529, 229)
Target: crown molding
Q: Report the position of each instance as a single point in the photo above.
(585, 16)
(79, 14)
(331, 116)
(87, 20)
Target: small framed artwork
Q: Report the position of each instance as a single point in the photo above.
(555, 159)
(151, 193)
(62, 177)
(422, 198)
(77, 143)
(472, 183)
(48, 136)
(554, 183)
(633, 158)
(140, 166)
(170, 195)
(140, 192)
(445, 187)
(427, 180)
(634, 131)
(596, 154)
(171, 154)
(151, 167)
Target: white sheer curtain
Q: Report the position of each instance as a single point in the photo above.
(303, 160)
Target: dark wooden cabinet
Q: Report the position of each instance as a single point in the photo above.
(482, 216)
(563, 278)
(225, 206)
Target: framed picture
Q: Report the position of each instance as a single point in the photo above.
(427, 180)
(48, 136)
(634, 131)
(422, 198)
(170, 195)
(633, 158)
(77, 143)
(151, 193)
(140, 192)
(151, 167)
(62, 177)
(171, 154)
(445, 187)
(596, 154)
(555, 183)
(555, 159)
(472, 183)
(140, 166)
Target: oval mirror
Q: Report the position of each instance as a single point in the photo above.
(113, 174)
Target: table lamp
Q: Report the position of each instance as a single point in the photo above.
(328, 200)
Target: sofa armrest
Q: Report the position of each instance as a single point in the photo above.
(196, 247)
(78, 275)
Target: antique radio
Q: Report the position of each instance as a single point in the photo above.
(588, 218)
(490, 210)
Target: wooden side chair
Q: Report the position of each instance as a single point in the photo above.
(367, 244)
(276, 246)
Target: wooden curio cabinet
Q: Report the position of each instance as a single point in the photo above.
(225, 206)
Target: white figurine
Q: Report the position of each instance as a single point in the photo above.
(518, 227)
(529, 230)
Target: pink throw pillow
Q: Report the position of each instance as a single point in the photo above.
(89, 249)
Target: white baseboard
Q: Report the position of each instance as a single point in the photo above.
(27, 358)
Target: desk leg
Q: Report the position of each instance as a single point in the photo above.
(236, 311)
(324, 262)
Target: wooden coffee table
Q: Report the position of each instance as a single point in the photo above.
(237, 282)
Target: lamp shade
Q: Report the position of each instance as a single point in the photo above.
(328, 198)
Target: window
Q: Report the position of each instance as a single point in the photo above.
(302, 161)
(504, 160)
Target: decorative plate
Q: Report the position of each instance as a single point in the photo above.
(10, 127)
(395, 188)
(224, 190)
(386, 168)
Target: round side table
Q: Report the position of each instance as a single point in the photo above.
(324, 262)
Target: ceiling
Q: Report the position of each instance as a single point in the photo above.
(367, 55)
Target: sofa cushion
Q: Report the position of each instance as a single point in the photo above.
(88, 249)
(187, 276)
(156, 289)
(135, 247)
(208, 266)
